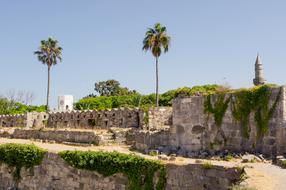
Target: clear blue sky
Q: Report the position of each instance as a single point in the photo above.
(212, 42)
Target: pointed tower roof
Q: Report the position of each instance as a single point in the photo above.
(258, 62)
(259, 76)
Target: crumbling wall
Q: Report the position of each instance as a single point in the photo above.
(93, 119)
(54, 173)
(90, 119)
(159, 117)
(193, 129)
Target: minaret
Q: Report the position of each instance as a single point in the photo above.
(259, 76)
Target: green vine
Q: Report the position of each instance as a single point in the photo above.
(243, 103)
(19, 156)
(218, 108)
(255, 100)
(140, 171)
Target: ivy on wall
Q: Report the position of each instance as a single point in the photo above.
(218, 108)
(18, 156)
(140, 171)
(243, 103)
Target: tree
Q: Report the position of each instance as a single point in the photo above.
(112, 88)
(156, 40)
(49, 54)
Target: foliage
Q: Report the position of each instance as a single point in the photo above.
(282, 163)
(140, 171)
(157, 41)
(228, 157)
(49, 53)
(254, 100)
(202, 90)
(11, 107)
(112, 88)
(138, 100)
(218, 108)
(20, 155)
(207, 165)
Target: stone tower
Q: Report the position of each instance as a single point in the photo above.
(259, 76)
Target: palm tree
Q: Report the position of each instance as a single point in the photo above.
(156, 40)
(49, 53)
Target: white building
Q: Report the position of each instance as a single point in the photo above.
(65, 103)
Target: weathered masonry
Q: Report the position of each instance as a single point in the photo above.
(194, 128)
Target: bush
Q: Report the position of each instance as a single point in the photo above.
(138, 100)
(10, 107)
(207, 165)
(140, 171)
(21, 155)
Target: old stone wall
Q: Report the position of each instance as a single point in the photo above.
(55, 174)
(90, 119)
(194, 130)
(13, 120)
(93, 119)
(159, 117)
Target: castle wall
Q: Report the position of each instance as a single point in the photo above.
(90, 119)
(194, 130)
(159, 117)
(93, 119)
(54, 173)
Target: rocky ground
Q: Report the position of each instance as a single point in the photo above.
(261, 174)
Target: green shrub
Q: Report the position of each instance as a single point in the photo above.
(21, 155)
(207, 165)
(140, 171)
(11, 107)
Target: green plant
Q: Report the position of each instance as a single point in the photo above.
(140, 171)
(49, 53)
(242, 187)
(20, 155)
(246, 101)
(282, 163)
(157, 41)
(207, 165)
(218, 108)
(228, 157)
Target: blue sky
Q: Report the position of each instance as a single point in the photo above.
(212, 42)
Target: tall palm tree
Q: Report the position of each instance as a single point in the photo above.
(49, 53)
(156, 40)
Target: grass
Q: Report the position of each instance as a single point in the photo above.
(207, 165)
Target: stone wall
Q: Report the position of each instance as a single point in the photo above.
(90, 119)
(32, 119)
(82, 137)
(93, 119)
(194, 130)
(13, 120)
(55, 174)
(159, 117)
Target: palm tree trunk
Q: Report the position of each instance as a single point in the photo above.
(157, 83)
(48, 89)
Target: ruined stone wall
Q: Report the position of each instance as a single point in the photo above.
(54, 173)
(13, 120)
(93, 119)
(32, 119)
(159, 117)
(194, 130)
(90, 119)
